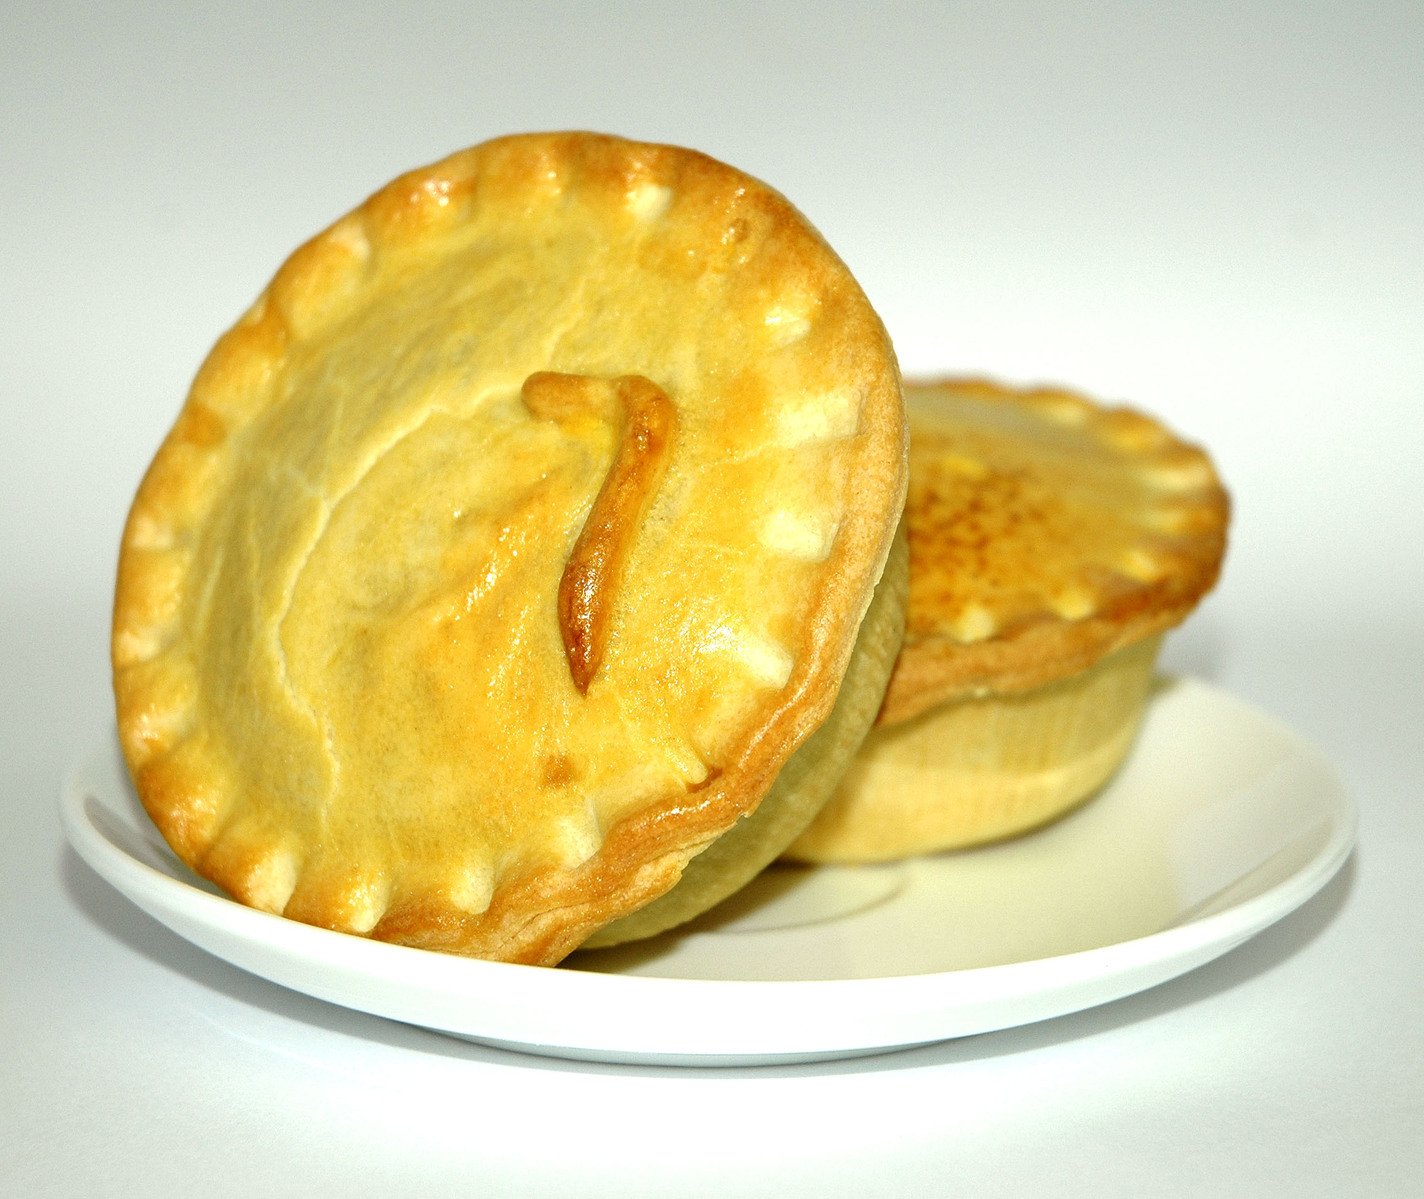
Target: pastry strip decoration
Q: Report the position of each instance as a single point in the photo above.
(591, 579)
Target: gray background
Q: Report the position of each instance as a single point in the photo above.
(1211, 210)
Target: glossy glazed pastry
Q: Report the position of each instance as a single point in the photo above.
(509, 548)
(1052, 542)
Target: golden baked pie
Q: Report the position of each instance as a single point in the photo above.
(509, 548)
(1052, 542)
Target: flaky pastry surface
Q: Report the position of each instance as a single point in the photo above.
(1046, 531)
(508, 546)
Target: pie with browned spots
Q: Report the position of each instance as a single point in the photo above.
(1052, 542)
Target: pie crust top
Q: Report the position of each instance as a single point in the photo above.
(508, 546)
(1045, 532)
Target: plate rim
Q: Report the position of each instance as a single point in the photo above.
(901, 996)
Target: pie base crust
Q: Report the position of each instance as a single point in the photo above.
(974, 771)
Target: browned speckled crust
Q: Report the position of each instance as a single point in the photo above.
(254, 822)
(1052, 579)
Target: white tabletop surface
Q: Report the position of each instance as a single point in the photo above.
(1212, 210)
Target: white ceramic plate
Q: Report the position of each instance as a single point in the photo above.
(1221, 822)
